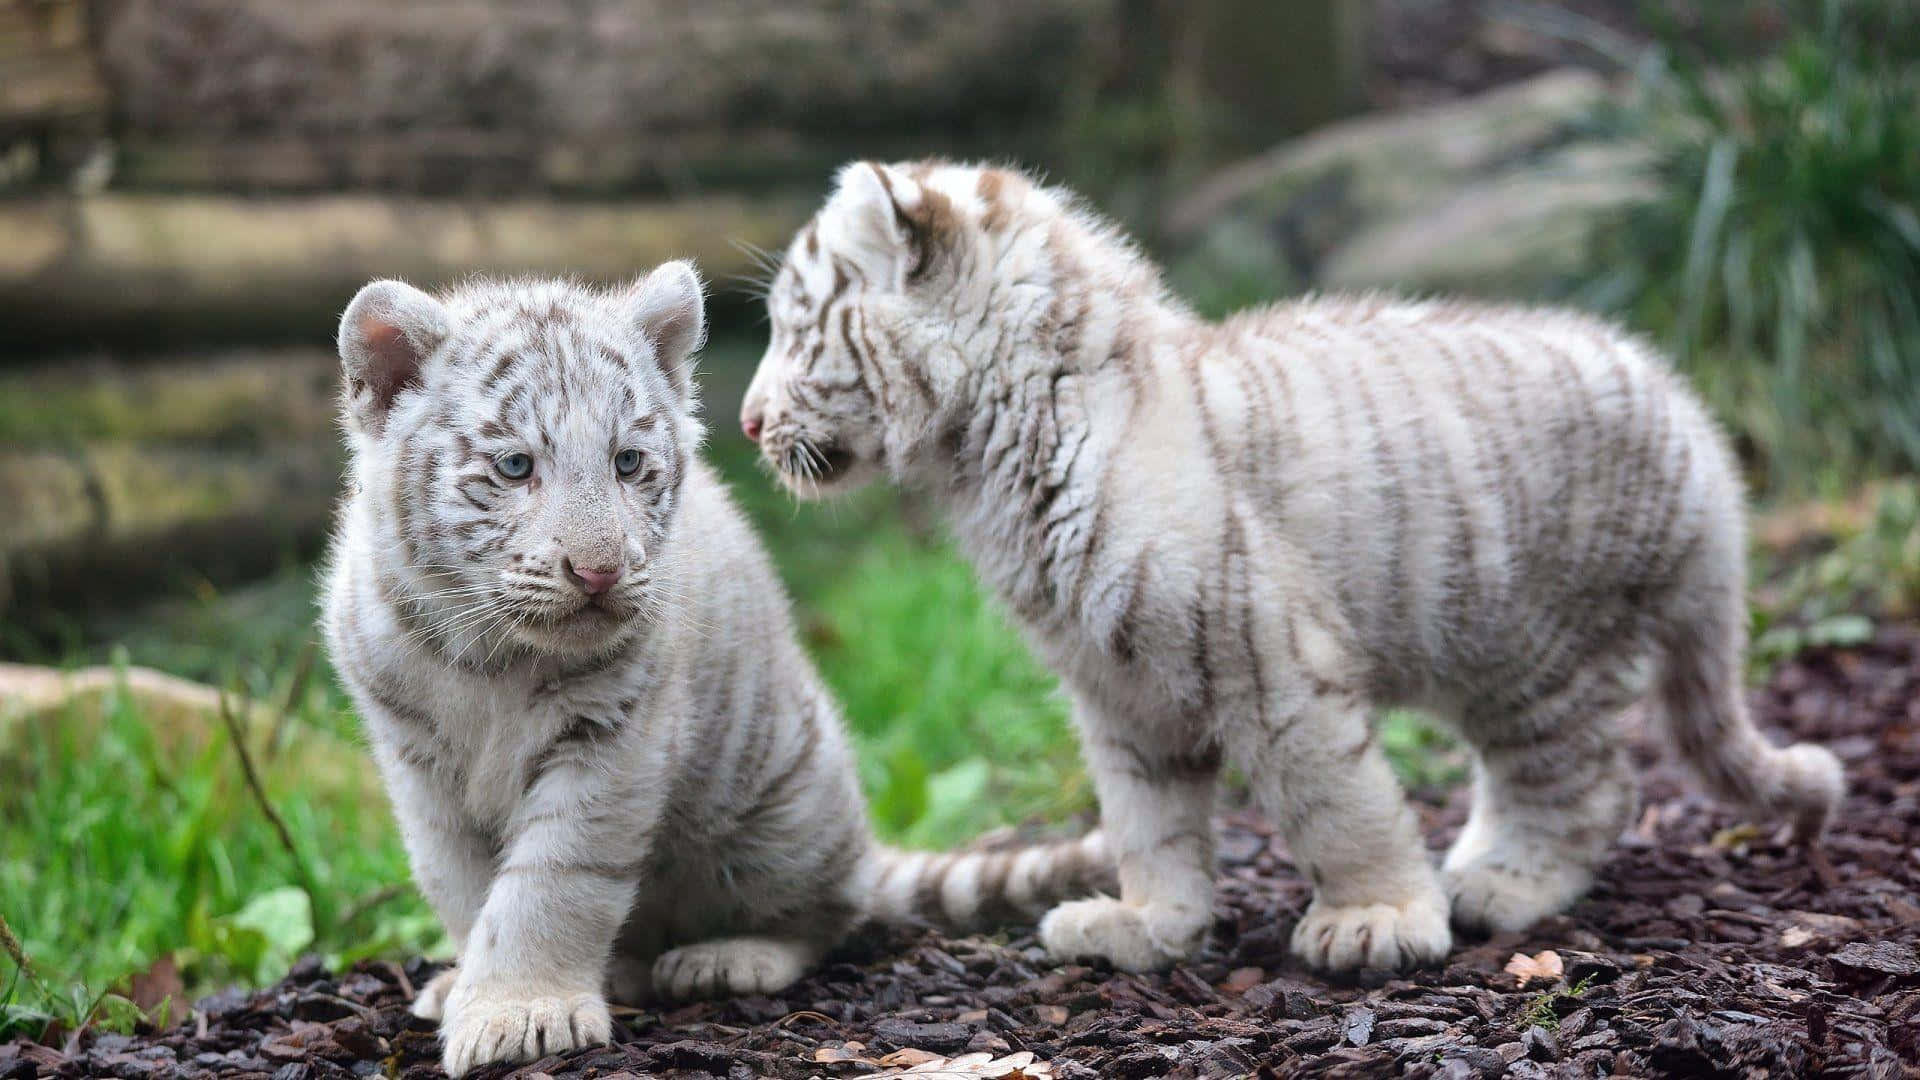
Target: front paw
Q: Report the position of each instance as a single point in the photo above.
(1143, 938)
(1390, 936)
(482, 1028)
(431, 1002)
(728, 968)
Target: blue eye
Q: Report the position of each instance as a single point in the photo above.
(514, 466)
(626, 462)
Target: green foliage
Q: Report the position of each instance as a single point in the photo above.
(958, 727)
(1424, 755)
(1781, 258)
(1543, 1011)
(1867, 569)
(120, 844)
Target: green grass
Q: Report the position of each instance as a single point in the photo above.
(124, 841)
(1544, 1012)
(1828, 596)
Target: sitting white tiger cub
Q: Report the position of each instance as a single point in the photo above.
(1236, 540)
(613, 766)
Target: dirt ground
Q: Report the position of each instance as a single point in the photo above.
(1707, 950)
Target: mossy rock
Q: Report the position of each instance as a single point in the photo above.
(183, 716)
(203, 268)
(1494, 195)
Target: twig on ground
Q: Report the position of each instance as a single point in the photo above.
(238, 736)
(296, 690)
(1823, 869)
(370, 901)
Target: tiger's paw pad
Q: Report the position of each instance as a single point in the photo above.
(728, 968)
(1392, 937)
(483, 1030)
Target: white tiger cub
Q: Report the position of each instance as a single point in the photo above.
(613, 766)
(1235, 540)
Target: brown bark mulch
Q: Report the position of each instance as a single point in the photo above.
(1708, 949)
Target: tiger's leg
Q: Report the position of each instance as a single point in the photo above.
(1316, 766)
(1552, 790)
(1156, 809)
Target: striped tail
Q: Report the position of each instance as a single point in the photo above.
(1704, 701)
(1707, 719)
(973, 890)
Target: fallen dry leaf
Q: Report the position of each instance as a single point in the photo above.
(1544, 966)
(1241, 980)
(159, 985)
(1795, 936)
(907, 1057)
(1779, 991)
(1736, 837)
(1825, 925)
(1020, 1066)
(837, 1055)
(1051, 1014)
(1903, 910)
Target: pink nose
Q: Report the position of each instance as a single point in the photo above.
(593, 580)
(750, 426)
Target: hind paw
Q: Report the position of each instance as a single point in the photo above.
(1490, 894)
(431, 1002)
(729, 968)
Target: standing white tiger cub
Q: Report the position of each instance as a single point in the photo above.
(613, 766)
(1235, 540)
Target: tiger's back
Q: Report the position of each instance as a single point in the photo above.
(1485, 493)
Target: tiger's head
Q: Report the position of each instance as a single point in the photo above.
(882, 310)
(522, 447)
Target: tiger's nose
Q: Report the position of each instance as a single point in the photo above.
(750, 426)
(595, 580)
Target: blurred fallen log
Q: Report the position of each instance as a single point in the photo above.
(53, 101)
(118, 478)
(235, 398)
(587, 96)
(157, 268)
(89, 529)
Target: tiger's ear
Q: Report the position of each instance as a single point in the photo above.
(890, 223)
(388, 331)
(668, 309)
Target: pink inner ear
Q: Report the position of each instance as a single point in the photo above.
(395, 361)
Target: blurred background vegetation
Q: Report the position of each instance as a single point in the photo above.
(191, 189)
